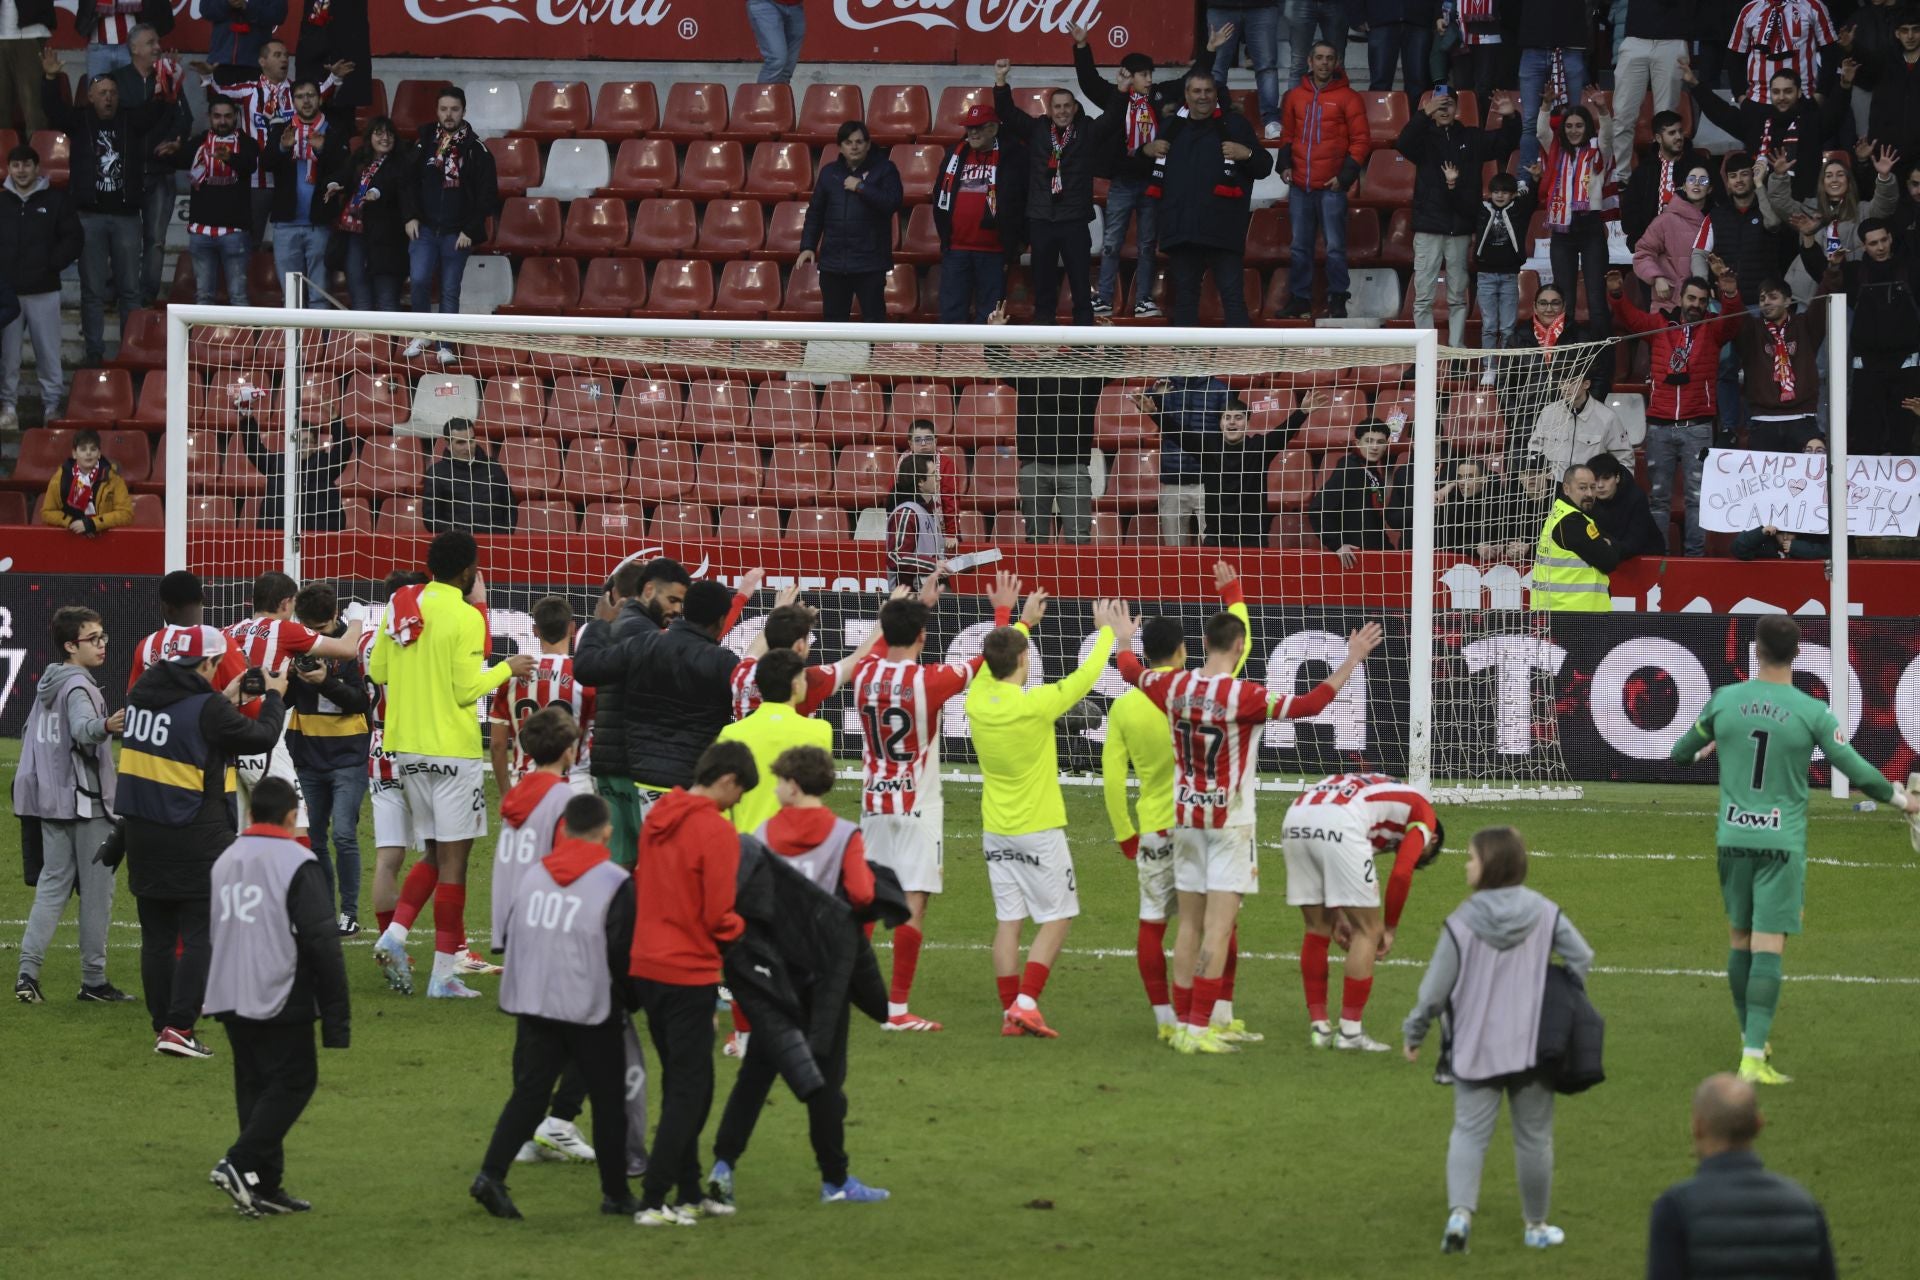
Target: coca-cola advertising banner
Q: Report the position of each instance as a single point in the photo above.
(909, 31)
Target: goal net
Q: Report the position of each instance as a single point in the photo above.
(1348, 474)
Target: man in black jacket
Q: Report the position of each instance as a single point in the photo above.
(1351, 512)
(40, 237)
(1884, 335)
(980, 212)
(1447, 159)
(1789, 118)
(1205, 164)
(140, 80)
(220, 164)
(849, 227)
(332, 32)
(1657, 178)
(1620, 509)
(1734, 1217)
(466, 489)
(1065, 152)
(176, 793)
(319, 464)
(453, 192)
(298, 154)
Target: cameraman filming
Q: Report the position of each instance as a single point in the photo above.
(327, 736)
(176, 793)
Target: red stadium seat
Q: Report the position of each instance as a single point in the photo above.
(149, 512)
(824, 108)
(747, 290)
(1386, 115)
(595, 469)
(415, 103)
(649, 407)
(749, 523)
(733, 229)
(1133, 481)
(511, 405)
(533, 466)
(375, 403)
(547, 518)
(679, 522)
(622, 110)
(367, 112)
(582, 405)
(968, 528)
(1396, 248)
(663, 471)
(596, 226)
(863, 476)
(143, 343)
(392, 465)
(556, 109)
(1387, 181)
(1269, 236)
(803, 294)
(1473, 424)
(718, 409)
(693, 112)
(783, 412)
(545, 287)
(985, 415)
(42, 450)
(954, 102)
(780, 171)
(1363, 237)
(619, 520)
(681, 289)
(919, 165)
(663, 228)
(801, 475)
(131, 451)
(56, 155)
(851, 411)
(914, 400)
(613, 287)
(760, 111)
(711, 169)
(902, 296)
(898, 113)
(1290, 480)
(98, 398)
(400, 518)
(1008, 527)
(150, 410)
(920, 242)
(528, 225)
(516, 164)
(817, 524)
(643, 167)
(996, 478)
(789, 217)
(1105, 529)
(1119, 423)
(1292, 531)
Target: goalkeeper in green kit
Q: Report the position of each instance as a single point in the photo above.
(1764, 732)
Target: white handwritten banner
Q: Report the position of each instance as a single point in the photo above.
(1742, 490)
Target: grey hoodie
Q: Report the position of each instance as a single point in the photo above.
(65, 770)
(1502, 918)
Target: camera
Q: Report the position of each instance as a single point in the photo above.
(306, 662)
(254, 683)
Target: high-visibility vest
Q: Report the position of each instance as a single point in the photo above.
(1562, 581)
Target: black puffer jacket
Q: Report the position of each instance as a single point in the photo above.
(1437, 210)
(1207, 201)
(852, 231)
(40, 237)
(177, 862)
(1085, 156)
(676, 695)
(1735, 1218)
(600, 661)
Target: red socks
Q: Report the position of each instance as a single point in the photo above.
(740, 1022)
(1034, 981)
(1205, 992)
(1009, 988)
(414, 892)
(906, 958)
(304, 843)
(1150, 950)
(1233, 964)
(1182, 1001)
(382, 919)
(1353, 998)
(1313, 974)
(449, 917)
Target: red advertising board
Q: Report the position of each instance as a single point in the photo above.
(905, 31)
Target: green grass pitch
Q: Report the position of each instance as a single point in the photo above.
(1099, 1154)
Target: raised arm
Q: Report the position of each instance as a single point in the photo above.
(1298, 707)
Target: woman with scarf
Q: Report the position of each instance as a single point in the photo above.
(362, 203)
(87, 495)
(917, 544)
(1550, 334)
(1676, 244)
(1578, 192)
(1832, 217)
(446, 202)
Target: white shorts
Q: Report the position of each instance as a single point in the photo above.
(277, 763)
(392, 819)
(1329, 863)
(1215, 860)
(1032, 876)
(909, 845)
(580, 781)
(1158, 900)
(447, 797)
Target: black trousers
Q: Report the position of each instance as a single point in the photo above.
(826, 1109)
(1876, 423)
(680, 1023)
(838, 289)
(542, 1050)
(1580, 252)
(1789, 435)
(1059, 246)
(174, 988)
(570, 1095)
(274, 1074)
(1189, 264)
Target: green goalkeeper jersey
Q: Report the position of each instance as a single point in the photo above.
(1764, 735)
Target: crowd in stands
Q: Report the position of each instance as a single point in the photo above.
(1485, 175)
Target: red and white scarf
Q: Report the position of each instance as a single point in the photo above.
(1666, 182)
(950, 178)
(350, 217)
(1782, 357)
(1788, 138)
(1703, 238)
(307, 143)
(1548, 335)
(114, 20)
(448, 151)
(81, 488)
(1058, 141)
(211, 165)
(404, 621)
(1572, 178)
(319, 13)
(1143, 124)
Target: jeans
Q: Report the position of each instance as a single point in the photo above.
(1535, 67)
(1303, 16)
(211, 255)
(1475, 1109)
(838, 289)
(275, 1070)
(333, 803)
(1057, 246)
(826, 1108)
(1260, 29)
(156, 215)
(680, 1024)
(301, 249)
(105, 59)
(109, 266)
(777, 30)
(972, 283)
(1431, 252)
(1042, 485)
(175, 987)
(542, 1050)
(1685, 446)
(1124, 200)
(39, 320)
(1183, 512)
(1190, 263)
(70, 871)
(368, 292)
(437, 251)
(1733, 411)
(1499, 308)
(1581, 251)
(1407, 44)
(1314, 213)
(1640, 64)
(1783, 435)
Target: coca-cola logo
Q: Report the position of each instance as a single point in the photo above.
(978, 15)
(550, 13)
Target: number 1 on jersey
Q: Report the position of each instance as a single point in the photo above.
(1760, 738)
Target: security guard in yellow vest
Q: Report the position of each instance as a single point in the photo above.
(1572, 558)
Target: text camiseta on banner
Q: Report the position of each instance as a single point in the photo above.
(1742, 490)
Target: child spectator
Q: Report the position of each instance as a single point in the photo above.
(1620, 509)
(87, 494)
(1499, 247)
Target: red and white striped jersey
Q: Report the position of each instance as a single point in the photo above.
(231, 664)
(147, 652)
(265, 106)
(1216, 722)
(823, 682)
(899, 708)
(267, 643)
(550, 684)
(382, 765)
(1781, 35)
(1382, 806)
(114, 20)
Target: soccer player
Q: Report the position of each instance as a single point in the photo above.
(783, 680)
(790, 626)
(1765, 731)
(394, 831)
(550, 685)
(182, 604)
(898, 699)
(1215, 717)
(1331, 835)
(431, 656)
(1138, 736)
(1023, 815)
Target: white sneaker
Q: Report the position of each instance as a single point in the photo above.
(1272, 131)
(415, 349)
(466, 961)
(736, 1045)
(1145, 309)
(665, 1216)
(1362, 1043)
(450, 988)
(447, 356)
(533, 1153)
(1459, 1228)
(1542, 1236)
(563, 1138)
(1320, 1035)
(9, 419)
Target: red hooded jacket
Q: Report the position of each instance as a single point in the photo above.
(518, 804)
(1667, 346)
(685, 882)
(1326, 130)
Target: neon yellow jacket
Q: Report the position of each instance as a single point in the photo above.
(1013, 736)
(433, 684)
(771, 729)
